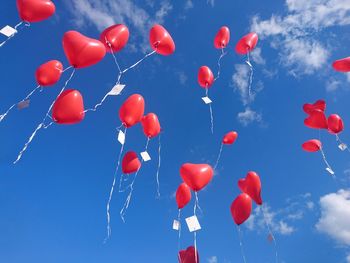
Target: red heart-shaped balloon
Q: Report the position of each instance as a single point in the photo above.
(183, 195)
(222, 38)
(49, 73)
(35, 10)
(342, 65)
(161, 41)
(312, 145)
(115, 37)
(230, 137)
(82, 51)
(205, 77)
(335, 124)
(247, 43)
(131, 112)
(251, 185)
(318, 105)
(196, 176)
(130, 163)
(150, 125)
(68, 108)
(188, 255)
(316, 120)
(241, 208)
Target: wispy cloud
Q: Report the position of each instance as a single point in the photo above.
(211, 2)
(213, 259)
(249, 116)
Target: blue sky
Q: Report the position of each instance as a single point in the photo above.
(53, 201)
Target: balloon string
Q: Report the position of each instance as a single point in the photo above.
(2, 116)
(196, 205)
(195, 246)
(251, 75)
(241, 244)
(159, 163)
(26, 24)
(109, 229)
(342, 144)
(270, 233)
(329, 168)
(180, 226)
(219, 63)
(211, 114)
(42, 124)
(219, 156)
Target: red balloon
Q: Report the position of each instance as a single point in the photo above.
(247, 43)
(115, 37)
(183, 195)
(205, 77)
(188, 255)
(230, 137)
(342, 65)
(251, 185)
(196, 176)
(318, 105)
(68, 108)
(131, 112)
(130, 163)
(316, 120)
(241, 208)
(49, 73)
(312, 145)
(222, 38)
(35, 10)
(150, 125)
(335, 124)
(161, 41)
(82, 51)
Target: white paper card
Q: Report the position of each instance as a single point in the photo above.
(116, 90)
(121, 137)
(330, 171)
(176, 225)
(193, 224)
(206, 100)
(145, 156)
(249, 64)
(342, 146)
(8, 31)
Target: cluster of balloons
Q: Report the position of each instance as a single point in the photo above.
(317, 119)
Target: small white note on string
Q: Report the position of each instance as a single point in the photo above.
(8, 31)
(249, 64)
(342, 146)
(121, 137)
(206, 100)
(193, 224)
(330, 171)
(145, 156)
(176, 225)
(116, 90)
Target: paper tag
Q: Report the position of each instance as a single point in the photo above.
(193, 224)
(23, 104)
(145, 156)
(342, 146)
(8, 31)
(176, 225)
(249, 64)
(121, 137)
(116, 90)
(206, 100)
(330, 171)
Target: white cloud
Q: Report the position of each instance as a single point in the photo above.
(211, 2)
(213, 259)
(348, 259)
(293, 34)
(189, 4)
(335, 214)
(249, 116)
(240, 81)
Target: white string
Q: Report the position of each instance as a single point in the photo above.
(271, 233)
(158, 168)
(120, 74)
(195, 247)
(251, 75)
(196, 205)
(326, 162)
(180, 226)
(219, 156)
(109, 229)
(219, 63)
(26, 24)
(2, 116)
(42, 124)
(211, 114)
(241, 243)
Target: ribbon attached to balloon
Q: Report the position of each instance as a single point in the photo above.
(336, 126)
(221, 40)
(228, 139)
